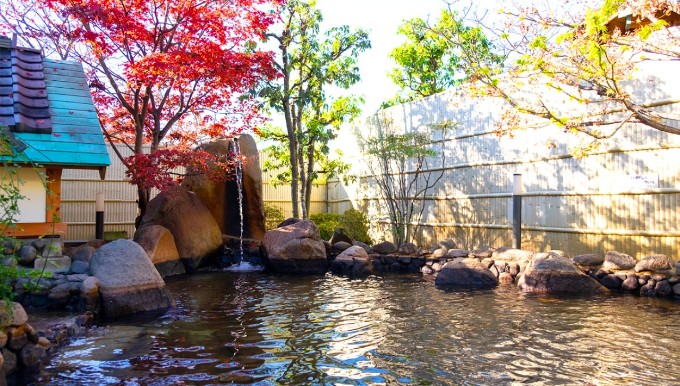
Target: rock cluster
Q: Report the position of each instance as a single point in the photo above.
(21, 346)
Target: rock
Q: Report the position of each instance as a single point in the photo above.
(27, 254)
(3, 339)
(551, 273)
(454, 253)
(16, 338)
(197, 235)
(221, 197)
(128, 281)
(439, 253)
(288, 221)
(447, 244)
(353, 262)
(510, 254)
(10, 365)
(55, 264)
(588, 260)
(618, 261)
(18, 315)
(409, 249)
(512, 268)
(437, 267)
(341, 246)
(384, 248)
(482, 253)
(427, 270)
(404, 260)
(44, 342)
(159, 244)
(363, 245)
(80, 267)
(31, 333)
(676, 289)
(296, 248)
(488, 262)
(648, 289)
(612, 282)
(505, 278)
(663, 288)
(630, 284)
(30, 355)
(60, 294)
(654, 263)
(466, 273)
(84, 254)
(9, 261)
(89, 291)
(339, 235)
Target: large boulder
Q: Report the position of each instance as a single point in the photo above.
(466, 273)
(296, 248)
(551, 273)
(385, 248)
(197, 235)
(354, 262)
(222, 197)
(159, 244)
(128, 281)
(654, 263)
(614, 260)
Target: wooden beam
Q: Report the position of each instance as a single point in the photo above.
(53, 201)
(26, 230)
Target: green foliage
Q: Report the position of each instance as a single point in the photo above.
(438, 56)
(273, 216)
(326, 222)
(355, 225)
(310, 62)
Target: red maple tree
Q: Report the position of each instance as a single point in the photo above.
(164, 74)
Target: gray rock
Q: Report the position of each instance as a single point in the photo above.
(407, 249)
(510, 254)
(55, 264)
(505, 278)
(60, 294)
(385, 248)
(513, 268)
(648, 289)
(614, 260)
(663, 288)
(630, 284)
(80, 267)
(676, 289)
(296, 248)
(454, 253)
(551, 273)
(612, 282)
(9, 366)
(439, 253)
(429, 271)
(129, 282)
(589, 260)
(340, 235)
(654, 263)
(353, 262)
(27, 255)
(16, 316)
(363, 245)
(341, 246)
(466, 273)
(84, 254)
(30, 355)
(482, 253)
(447, 244)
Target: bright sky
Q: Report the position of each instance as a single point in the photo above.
(381, 18)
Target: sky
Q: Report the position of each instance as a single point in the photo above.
(381, 18)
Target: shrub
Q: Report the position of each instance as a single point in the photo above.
(355, 224)
(327, 222)
(273, 216)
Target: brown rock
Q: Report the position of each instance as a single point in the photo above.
(466, 273)
(30, 355)
(222, 197)
(505, 278)
(196, 232)
(18, 315)
(159, 244)
(614, 260)
(296, 248)
(385, 248)
(654, 263)
(589, 259)
(353, 262)
(407, 249)
(16, 338)
(551, 273)
(9, 366)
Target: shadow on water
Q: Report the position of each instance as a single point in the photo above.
(245, 328)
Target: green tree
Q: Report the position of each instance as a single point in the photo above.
(310, 63)
(436, 56)
(401, 167)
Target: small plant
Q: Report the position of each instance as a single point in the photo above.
(272, 216)
(327, 222)
(355, 225)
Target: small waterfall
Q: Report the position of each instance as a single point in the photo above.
(242, 265)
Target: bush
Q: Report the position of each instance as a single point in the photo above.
(327, 222)
(355, 225)
(273, 216)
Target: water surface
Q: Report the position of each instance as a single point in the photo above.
(244, 328)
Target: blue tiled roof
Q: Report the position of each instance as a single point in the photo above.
(76, 138)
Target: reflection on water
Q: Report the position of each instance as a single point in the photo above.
(234, 327)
